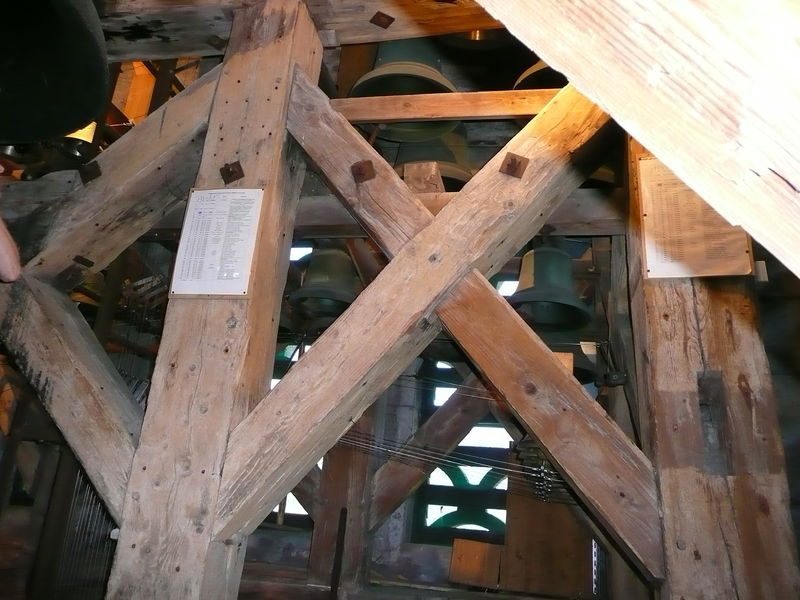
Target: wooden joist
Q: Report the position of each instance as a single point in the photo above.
(706, 381)
(86, 397)
(141, 178)
(216, 354)
(702, 85)
(176, 28)
(473, 106)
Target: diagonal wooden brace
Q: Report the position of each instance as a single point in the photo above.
(610, 474)
(477, 231)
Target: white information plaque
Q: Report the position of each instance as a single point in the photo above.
(218, 239)
(684, 236)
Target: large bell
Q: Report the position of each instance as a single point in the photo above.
(330, 284)
(53, 69)
(546, 297)
(407, 67)
(450, 151)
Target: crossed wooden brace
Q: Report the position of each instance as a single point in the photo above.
(435, 275)
(436, 267)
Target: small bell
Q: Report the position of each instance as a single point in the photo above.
(546, 298)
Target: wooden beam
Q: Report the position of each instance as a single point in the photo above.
(737, 147)
(585, 211)
(398, 478)
(215, 357)
(454, 106)
(54, 348)
(18, 199)
(623, 497)
(143, 176)
(176, 28)
(464, 235)
(715, 437)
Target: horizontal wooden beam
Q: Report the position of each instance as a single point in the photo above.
(176, 28)
(586, 211)
(141, 178)
(54, 348)
(550, 403)
(444, 107)
(368, 347)
(700, 85)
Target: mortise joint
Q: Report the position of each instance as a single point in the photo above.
(514, 165)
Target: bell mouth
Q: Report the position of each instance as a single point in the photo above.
(550, 309)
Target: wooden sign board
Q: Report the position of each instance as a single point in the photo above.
(682, 235)
(215, 252)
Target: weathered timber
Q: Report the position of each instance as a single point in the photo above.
(705, 378)
(307, 491)
(474, 106)
(494, 229)
(625, 501)
(88, 400)
(143, 176)
(216, 354)
(716, 122)
(176, 28)
(18, 199)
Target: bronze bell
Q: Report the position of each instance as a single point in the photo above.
(53, 69)
(330, 284)
(546, 298)
(407, 67)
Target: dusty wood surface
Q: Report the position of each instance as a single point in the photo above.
(216, 354)
(144, 175)
(307, 491)
(717, 446)
(336, 384)
(443, 107)
(175, 28)
(18, 199)
(624, 499)
(54, 348)
(711, 121)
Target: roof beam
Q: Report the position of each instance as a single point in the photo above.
(54, 348)
(703, 85)
(549, 401)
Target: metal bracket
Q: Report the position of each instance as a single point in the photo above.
(89, 171)
(514, 165)
(382, 20)
(363, 171)
(231, 172)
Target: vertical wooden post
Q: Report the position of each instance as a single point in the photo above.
(216, 355)
(346, 482)
(715, 440)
